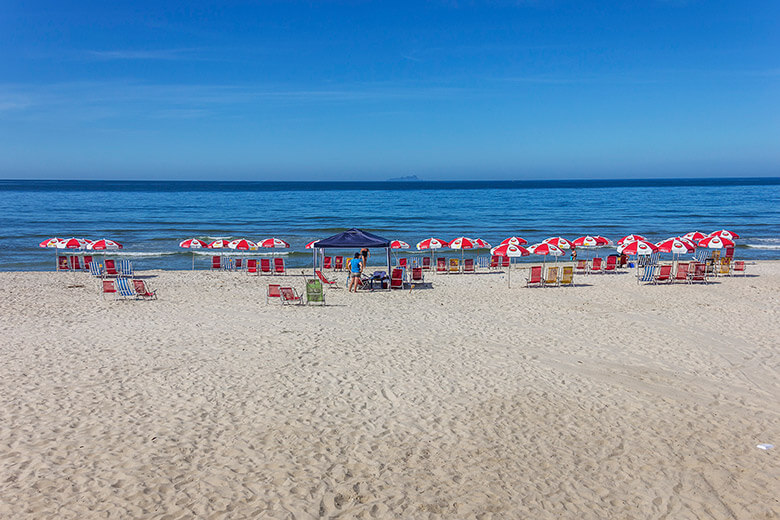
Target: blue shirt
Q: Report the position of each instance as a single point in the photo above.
(354, 265)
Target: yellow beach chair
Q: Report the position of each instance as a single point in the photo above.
(552, 276)
(567, 275)
(454, 265)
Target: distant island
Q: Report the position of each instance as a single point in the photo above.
(404, 179)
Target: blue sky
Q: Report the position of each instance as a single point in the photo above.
(370, 90)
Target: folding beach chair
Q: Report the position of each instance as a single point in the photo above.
(124, 288)
(327, 262)
(567, 275)
(95, 269)
(535, 276)
(552, 277)
(109, 287)
(454, 266)
(738, 267)
(682, 273)
(87, 261)
(483, 262)
(397, 279)
(279, 266)
(125, 269)
(142, 290)
(237, 264)
(663, 274)
(426, 263)
(329, 283)
(645, 274)
(62, 263)
(581, 267)
(611, 265)
(314, 292)
(251, 266)
(265, 266)
(699, 273)
(495, 260)
(74, 263)
(441, 265)
(273, 292)
(468, 265)
(111, 269)
(290, 296)
(216, 262)
(417, 275)
(403, 263)
(506, 261)
(725, 266)
(595, 265)
(338, 263)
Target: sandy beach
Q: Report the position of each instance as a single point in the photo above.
(465, 400)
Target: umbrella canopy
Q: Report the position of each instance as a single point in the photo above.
(432, 243)
(675, 245)
(559, 242)
(273, 243)
(510, 250)
(715, 242)
(630, 238)
(50, 242)
(725, 233)
(590, 241)
(242, 244)
(399, 244)
(71, 243)
(637, 247)
(545, 249)
(518, 241)
(103, 244)
(311, 244)
(462, 243)
(694, 236)
(481, 244)
(219, 244)
(192, 243)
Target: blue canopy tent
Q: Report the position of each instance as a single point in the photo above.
(353, 239)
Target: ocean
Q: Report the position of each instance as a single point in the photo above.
(151, 218)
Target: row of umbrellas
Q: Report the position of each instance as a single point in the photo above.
(81, 243)
(242, 244)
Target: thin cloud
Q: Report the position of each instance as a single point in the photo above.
(154, 54)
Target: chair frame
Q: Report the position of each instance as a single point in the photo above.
(550, 280)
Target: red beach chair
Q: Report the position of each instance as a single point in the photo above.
(441, 265)
(87, 261)
(74, 263)
(289, 296)
(535, 277)
(142, 290)
(111, 269)
(327, 263)
(403, 263)
(581, 267)
(279, 266)
(273, 292)
(62, 263)
(417, 275)
(682, 273)
(664, 274)
(595, 265)
(611, 265)
(238, 263)
(251, 266)
(331, 283)
(265, 266)
(397, 279)
(426, 263)
(216, 262)
(109, 287)
(738, 266)
(505, 261)
(699, 273)
(339, 263)
(468, 265)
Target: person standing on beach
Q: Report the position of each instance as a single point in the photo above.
(355, 270)
(365, 254)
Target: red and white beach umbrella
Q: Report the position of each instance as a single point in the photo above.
(399, 244)
(725, 233)
(193, 243)
(517, 241)
(715, 242)
(630, 238)
(462, 243)
(676, 246)
(71, 243)
(275, 243)
(242, 244)
(50, 242)
(481, 244)
(220, 243)
(559, 242)
(695, 236)
(637, 247)
(591, 241)
(545, 249)
(432, 243)
(311, 244)
(104, 244)
(512, 251)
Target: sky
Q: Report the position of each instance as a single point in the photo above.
(319, 90)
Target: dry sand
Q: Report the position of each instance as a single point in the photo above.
(608, 400)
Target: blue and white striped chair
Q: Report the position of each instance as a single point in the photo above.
(125, 288)
(125, 268)
(95, 269)
(646, 274)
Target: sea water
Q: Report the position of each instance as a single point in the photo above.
(151, 218)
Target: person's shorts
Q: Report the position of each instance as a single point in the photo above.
(353, 275)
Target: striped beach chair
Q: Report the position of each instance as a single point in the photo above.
(95, 269)
(124, 288)
(646, 274)
(125, 269)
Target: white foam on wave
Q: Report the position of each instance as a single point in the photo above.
(763, 246)
(764, 243)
